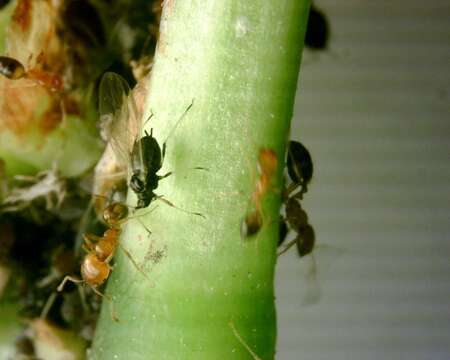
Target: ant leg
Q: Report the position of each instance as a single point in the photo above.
(48, 305)
(167, 202)
(287, 247)
(66, 279)
(135, 264)
(89, 240)
(136, 217)
(111, 303)
(83, 299)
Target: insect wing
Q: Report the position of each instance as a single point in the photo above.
(312, 291)
(317, 270)
(118, 115)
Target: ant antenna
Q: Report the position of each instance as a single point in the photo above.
(167, 202)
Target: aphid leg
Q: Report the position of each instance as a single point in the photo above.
(167, 202)
(111, 303)
(71, 279)
(135, 264)
(241, 340)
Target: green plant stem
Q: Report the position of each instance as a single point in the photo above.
(207, 293)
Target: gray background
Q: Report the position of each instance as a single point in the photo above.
(375, 113)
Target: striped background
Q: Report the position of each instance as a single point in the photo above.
(375, 113)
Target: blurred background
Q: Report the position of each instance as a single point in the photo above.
(374, 111)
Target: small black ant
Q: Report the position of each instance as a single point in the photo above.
(300, 170)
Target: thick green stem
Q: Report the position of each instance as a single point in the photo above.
(209, 293)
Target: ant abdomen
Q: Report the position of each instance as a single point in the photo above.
(94, 271)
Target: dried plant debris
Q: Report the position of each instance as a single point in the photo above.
(57, 54)
(47, 186)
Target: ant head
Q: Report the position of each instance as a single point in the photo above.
(299, 163)
(114, 213)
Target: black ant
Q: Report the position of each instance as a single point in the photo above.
(300, 170)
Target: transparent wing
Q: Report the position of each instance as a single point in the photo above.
(318, 267)
(118, 115)
(313, 289)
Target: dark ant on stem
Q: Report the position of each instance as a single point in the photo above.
(300, 170)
